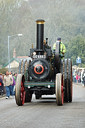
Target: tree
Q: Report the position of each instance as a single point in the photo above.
(75, 48)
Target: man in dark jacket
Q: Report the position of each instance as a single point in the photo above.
(84, 79)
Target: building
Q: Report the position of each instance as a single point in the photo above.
(14, 62)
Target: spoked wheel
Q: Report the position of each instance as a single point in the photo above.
(59, 89)
(20, 90)
(68, 81)
(65, 81)
(28, 93)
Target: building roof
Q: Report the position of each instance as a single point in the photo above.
(17, 59)
(11, 61)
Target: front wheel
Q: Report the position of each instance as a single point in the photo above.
(20, 90)
(59, 89)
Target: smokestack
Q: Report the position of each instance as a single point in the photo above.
(40, 34)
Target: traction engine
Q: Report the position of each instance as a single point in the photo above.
(45, 73)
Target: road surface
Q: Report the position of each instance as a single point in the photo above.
(44, 113)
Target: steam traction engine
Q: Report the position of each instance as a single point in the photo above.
(45, 74)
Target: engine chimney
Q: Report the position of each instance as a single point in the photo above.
(40, 34)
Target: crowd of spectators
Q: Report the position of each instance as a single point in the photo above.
(7, 84)
(79, 76)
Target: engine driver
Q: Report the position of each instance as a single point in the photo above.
(62, 47)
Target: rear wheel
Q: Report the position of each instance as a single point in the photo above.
(59, 89)
(20, 90)
(68, 80)
(65, 81)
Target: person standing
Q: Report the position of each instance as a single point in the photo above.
(11, 84)
(84, 78)
(77, 78)
(1, 84)
(15, 77)
(8, 81)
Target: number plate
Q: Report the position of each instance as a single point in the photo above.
(39, 56)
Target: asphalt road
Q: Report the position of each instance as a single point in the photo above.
(44, 113)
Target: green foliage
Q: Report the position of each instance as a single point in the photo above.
(75, 48)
